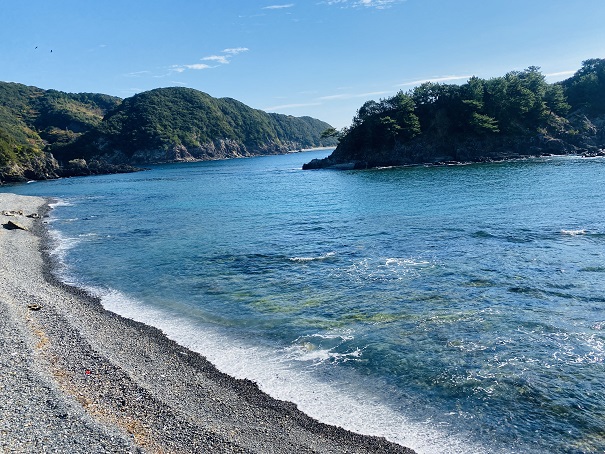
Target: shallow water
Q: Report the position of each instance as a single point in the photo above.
(451, 309)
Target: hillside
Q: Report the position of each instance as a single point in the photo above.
(32, 120)
(182, 124)
(49, 134)
(516, 115)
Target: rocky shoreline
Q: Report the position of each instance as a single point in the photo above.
(462, 150)
(46, 167)
(78, 378)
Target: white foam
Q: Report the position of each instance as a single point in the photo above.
(573, 232)
(61, 244)
(405, 262)
(341, 402)
(60, 203)
(311, 349)
(313, 259)
(383, 269)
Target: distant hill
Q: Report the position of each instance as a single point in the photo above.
(516, 115)
(48, 134)
(182, 124)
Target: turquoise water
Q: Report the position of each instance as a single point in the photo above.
(451, 309)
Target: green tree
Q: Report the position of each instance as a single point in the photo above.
(330, 132)
(402, 108)
(586, 88)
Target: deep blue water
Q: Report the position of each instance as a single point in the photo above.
(451, 309)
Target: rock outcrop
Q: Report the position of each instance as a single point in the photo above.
(516, 115)
(460, 150)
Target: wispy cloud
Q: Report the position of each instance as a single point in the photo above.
(235, 50)
(137, 73)
(321, 100)
(289, 5)
(224, 59)
(560, 74)
(378, 4)
(352, 96)
(195, 66)
(291, 106)
(434, 79)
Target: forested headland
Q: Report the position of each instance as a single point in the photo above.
(516, 115)
(49, 134)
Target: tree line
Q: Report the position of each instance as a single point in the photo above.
(518, 103)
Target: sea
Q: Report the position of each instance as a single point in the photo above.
(451, 309)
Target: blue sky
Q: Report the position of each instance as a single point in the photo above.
(322, 58)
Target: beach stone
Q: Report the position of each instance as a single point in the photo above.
(12, 225)
(12, 213)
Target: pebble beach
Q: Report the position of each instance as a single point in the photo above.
(75, 377)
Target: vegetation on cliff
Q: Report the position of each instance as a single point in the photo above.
(33, 121)
(174, 124)
(514, 115)
(586, 89)
(48, 134)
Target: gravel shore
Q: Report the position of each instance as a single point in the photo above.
(77, 378)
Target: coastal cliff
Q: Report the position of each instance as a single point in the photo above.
(514, 116)
(48, 134)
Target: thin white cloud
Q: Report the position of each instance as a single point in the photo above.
(228, 54)
(137, 73)
(352, 96)
(434, 79)
(289, 5)
(195, 66)
(222, 59)
(320, 100)
(235, 50)
(292, 106)
(378, 4)
(560, 74)
(198, 66)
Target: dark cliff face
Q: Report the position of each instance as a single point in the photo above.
(467, 149)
